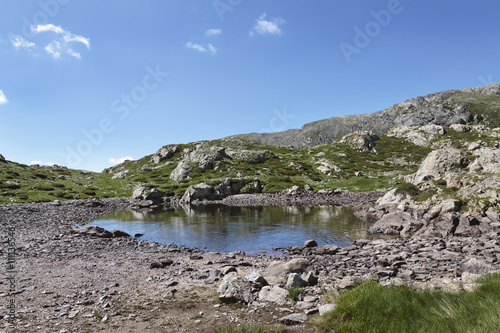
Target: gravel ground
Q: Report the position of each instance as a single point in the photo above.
(59, 281)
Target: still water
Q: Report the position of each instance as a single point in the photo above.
(249, 229)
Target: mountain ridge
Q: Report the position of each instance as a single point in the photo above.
(441, 108)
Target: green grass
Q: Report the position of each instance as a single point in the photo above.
(22, 183)
(294, 293)
(372, 308)
(252, 329)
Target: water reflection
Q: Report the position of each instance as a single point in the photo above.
(250, 229)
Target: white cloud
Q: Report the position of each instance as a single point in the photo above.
(20, 43)
(200, 48)
(3, 99)
(54, 49)
(61, 45)
(120, 160)
(267, 26)
(40, 163)
(213, 32)
(47, 27)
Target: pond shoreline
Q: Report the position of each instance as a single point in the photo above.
(77, 282)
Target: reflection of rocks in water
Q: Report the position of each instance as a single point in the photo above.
(140, 215)
(251, 228)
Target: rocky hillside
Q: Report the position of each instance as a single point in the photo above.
(464, 106)
(444, 145)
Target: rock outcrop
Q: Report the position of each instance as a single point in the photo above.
(164, 153)
(437, 164)
(443, 108)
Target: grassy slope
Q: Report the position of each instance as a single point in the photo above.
(381, 170)
(22, 183)
(373, 308)
(292, 167)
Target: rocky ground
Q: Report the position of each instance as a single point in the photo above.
(74, 281)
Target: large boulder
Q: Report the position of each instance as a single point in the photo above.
(200, 191)
(437, 164)
(398, 223)
(273, 294)
(391, 198)
(233, 289)
(418, 135)
(362, 141)
(229, 187)
(164, 153)
(488, 160)
(326, 166)
(250, 156)
(121, 174)
(181, 172)
(145, 193)
(204, 155)
(277, 271)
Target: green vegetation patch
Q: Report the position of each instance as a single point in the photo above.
(372, 308)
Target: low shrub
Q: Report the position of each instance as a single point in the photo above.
(407, 188)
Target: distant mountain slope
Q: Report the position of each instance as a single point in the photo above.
(470, 105)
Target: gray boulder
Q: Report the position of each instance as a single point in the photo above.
(295, 281)
(362, 141)
(200, 191)
(325, 308)
(204, 155)
(437, 164)
(233, 288)
(164, 153)
(476, 266)
(273, 294)
(92, 231)
(278, 270)
(121, 174)
(250, 156)
(229, 187)
(294, 319)
(488, 160)
(181, 171)
(145, 193)
(397, 223)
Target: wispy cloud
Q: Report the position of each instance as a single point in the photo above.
(264, 26)
(200, 48)
(213, 32)
(20, 43)
(3, 99)
(120, 160)
(62, 44)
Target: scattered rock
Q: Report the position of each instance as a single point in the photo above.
(295, 281)
(273, 294)
(310, 243)
(233, 288)
(325, 308)
(294, 319)
(92, 231)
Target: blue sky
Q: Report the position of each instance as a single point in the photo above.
(85, 83)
